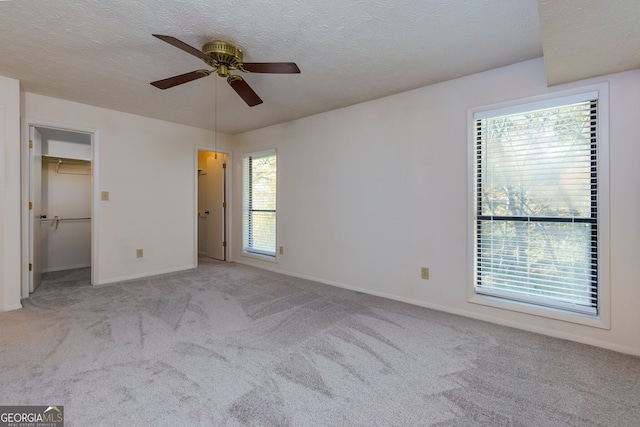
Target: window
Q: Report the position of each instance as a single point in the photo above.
(259, 204)
(536, 204)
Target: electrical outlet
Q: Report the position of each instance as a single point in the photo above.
(424, 271)
(281, 250)
(139, 253)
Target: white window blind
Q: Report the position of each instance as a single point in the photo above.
(259, 203)
(536, 205)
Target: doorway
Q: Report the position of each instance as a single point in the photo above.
(60, 192)
(212, 204)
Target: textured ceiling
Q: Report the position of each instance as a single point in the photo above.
(101, 52)
(595, 37)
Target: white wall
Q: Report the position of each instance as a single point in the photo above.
(148, 167)
(370, 193)
(9, 194)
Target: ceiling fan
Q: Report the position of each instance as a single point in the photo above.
(224, 57)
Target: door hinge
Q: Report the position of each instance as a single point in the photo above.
(30, 144)
(224, 166)
(224, 244)
(30, 205)
(30, 267)
(224, 204)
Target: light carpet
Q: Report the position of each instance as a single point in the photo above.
(231, 345)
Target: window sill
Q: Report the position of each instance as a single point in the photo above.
(599, 321)
(267, 258)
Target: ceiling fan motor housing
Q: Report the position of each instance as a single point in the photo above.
(224, 56)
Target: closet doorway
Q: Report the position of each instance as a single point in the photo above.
(60, 202)
(212, 206)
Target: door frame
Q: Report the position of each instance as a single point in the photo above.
(35, 173)
(227, 196)
(25, 181)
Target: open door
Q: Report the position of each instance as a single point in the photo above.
(212, 204)
(35, 208)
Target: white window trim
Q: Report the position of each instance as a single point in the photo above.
(268, 258)
(603, 319)
(256, 255)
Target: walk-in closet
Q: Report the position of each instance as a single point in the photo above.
(64, 241)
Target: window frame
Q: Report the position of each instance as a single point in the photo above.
(602, 319)
(257, 253)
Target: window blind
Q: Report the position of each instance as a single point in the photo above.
(536, 206)
(259, 203)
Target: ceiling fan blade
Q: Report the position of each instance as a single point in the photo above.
(244, 90)
(182, 78)
(182, 45)
(271, 67)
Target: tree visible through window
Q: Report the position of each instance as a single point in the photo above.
(536, 205)
(259, 203)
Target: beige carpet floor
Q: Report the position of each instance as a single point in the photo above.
(226, 344)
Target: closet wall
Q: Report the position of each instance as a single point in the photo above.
(66, 194)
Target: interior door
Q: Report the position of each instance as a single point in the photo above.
(35, 200)
(202, 208)
(216, 206)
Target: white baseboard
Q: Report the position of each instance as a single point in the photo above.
(11, 308)
(142, 275)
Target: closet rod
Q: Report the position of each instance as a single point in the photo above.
(57, 219)
(64, 219)
(58, 159)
